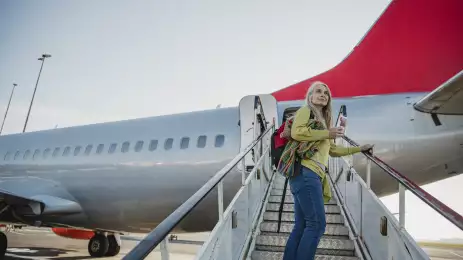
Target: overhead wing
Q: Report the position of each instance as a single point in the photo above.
(446, 99)
(31, 196)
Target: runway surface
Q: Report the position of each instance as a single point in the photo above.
(36, 243)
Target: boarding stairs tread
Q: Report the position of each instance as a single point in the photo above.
(329, 209)
(286, 228)
(289, 217)
(319, 251)
(335, 244)
(266, 255)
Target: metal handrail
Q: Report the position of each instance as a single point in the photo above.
(427, 198)
(151, 241)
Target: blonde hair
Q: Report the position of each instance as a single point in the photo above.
(325, 116)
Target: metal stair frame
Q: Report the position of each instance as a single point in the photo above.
(406, 246)
(361, 250)
(256, 229)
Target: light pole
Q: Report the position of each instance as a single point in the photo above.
(44, 56)
(7, 107)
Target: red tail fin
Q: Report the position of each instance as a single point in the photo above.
(415, 46)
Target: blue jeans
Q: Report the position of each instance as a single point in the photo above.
(309, 214)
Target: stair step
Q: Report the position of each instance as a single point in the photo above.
(329, 209)
(329, 245)
(276, 198)
(331, 229)
(270, 245)
(266, 255)
(289, 217)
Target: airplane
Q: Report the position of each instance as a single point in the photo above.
(402, 86)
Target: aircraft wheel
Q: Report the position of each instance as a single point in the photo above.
(3, 244)
(114, 246)
(98, 245)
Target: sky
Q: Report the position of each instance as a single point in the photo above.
(115, 60)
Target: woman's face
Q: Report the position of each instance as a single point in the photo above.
(320, 95)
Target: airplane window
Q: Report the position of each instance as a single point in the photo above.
(125, 147)
(27, 154)
(36, 153)
(99, 149)
(184, 143)
(138, 146)
(7, 156)
(16, 155)
(88, 149)
(77, 150)
(66, 151)
(56, 151)
(201, 141)
(112, 148)
(46, 153)
(219, 140)
(168, 143)
(153, 145)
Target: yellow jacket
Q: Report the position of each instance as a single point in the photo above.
(327, 147)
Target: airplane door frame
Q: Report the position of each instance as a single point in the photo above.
(250, 108)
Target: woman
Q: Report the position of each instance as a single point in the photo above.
(306, 187)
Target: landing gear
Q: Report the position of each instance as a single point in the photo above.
(101, 245)
(114, 245)
(3, 244)
(98, 245)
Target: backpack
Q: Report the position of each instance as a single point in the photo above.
(278, 144)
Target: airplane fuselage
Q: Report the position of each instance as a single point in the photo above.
(147, 167)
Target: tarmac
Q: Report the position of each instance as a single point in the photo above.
(41, 243)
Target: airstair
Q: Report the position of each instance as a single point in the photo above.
(335, 244)
(256, 224)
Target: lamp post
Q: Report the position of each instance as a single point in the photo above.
(8, 107)
(44, 56)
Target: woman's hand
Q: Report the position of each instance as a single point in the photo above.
(336, 132)
(366, 147)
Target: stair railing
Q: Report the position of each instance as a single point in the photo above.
(424, 196)
(371, 221)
